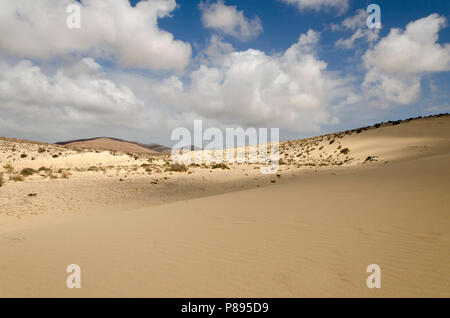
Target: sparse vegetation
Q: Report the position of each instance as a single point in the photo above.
(16, 178)
(27, 172)
(93, 168)
(65, 174)
(8, 168)
(177, 167)
(41, 150)
(1, 178)
(220, 166)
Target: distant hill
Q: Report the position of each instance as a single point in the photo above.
(109, 143)
(158, 148)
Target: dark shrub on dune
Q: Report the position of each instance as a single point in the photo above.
(176, 167)
(220, 166)
(27, 172)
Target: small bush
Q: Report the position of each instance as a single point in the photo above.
(24, 155)
(32, 194)
(8, 168)
(331, 142)
(27, 172)
(65, 174)
(41, 150)
(93, 168)
(220, 166)
(16, 178)
(43, 169)
(1, 179)
(176, 167)
(55, 156)
(345, 151)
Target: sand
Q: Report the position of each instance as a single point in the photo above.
(235, 233)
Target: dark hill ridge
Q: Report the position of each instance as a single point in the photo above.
(116, 144)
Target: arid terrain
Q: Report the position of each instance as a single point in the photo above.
(140, 225)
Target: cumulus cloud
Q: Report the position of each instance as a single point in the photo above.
(217, 49)
(358, 25)
(76, 96)
(291, 90)
(397, 63)
(229, 20)
(340, 6)
(110, 29)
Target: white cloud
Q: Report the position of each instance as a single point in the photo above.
(216, 51)
(397, 63)
(229, 20)
(291, 90)
(340, 6)
(358, 25)
(71, 99)
(110, 29)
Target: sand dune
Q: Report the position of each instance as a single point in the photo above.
(235, 233)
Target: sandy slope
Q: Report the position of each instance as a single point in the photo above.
(312, 235)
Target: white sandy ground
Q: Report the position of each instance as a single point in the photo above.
(216, 233)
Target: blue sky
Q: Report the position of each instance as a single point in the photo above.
(129, 72)
(283, 24)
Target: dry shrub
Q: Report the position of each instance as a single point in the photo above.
(27, 172)
(16, 178)
(177, 167)
(8, 168)
(65, 174)
(220, 166)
